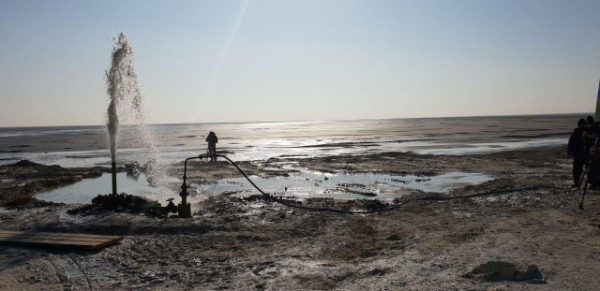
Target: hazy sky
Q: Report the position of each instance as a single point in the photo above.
(220, 61)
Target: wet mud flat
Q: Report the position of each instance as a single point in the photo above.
(528, 216)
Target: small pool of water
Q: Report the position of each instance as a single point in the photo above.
(85, 190)
(307, 184)
(303, 184)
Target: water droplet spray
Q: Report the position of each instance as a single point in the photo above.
(126, 107)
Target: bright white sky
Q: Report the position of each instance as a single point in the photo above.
(258, 60)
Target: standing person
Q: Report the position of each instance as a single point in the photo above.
(590, 139)
(212, 145)
(589, 121)
(576, 150)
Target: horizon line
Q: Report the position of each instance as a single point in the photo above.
(316, 120)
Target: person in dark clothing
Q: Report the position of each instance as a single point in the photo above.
(589, 138)
(593, 175)
(589, 135)
(589, 120)
(591, 152)
(576, 150)
(212, 141)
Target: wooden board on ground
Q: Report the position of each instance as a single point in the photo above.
(57, 240)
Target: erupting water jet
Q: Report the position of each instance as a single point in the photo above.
(115, 87)
(126, 108)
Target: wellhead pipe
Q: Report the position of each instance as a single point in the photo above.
(114, 178)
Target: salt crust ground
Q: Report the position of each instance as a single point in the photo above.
(246, 245)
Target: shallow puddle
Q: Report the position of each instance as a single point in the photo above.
(303, 184)
(306, 184)
(85, 190)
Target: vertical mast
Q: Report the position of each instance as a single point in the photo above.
(598, 104)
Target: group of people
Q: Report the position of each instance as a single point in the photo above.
(584, 148)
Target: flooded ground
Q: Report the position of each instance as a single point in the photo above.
(300, 184)
(307, 184)
(523, 217)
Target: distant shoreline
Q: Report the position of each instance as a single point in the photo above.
(83, 146)
(301, 121)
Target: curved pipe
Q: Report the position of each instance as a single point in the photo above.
(390, 208)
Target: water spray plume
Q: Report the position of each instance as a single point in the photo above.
(126, 107)
(114, 80)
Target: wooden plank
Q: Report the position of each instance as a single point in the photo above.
(60, 240)
(57, 240)
(33, 241)
(60, 244)
(58, 234)
(46, 241)
(50, 238)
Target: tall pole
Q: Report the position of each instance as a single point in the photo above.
(598, 104)
(114, 178)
